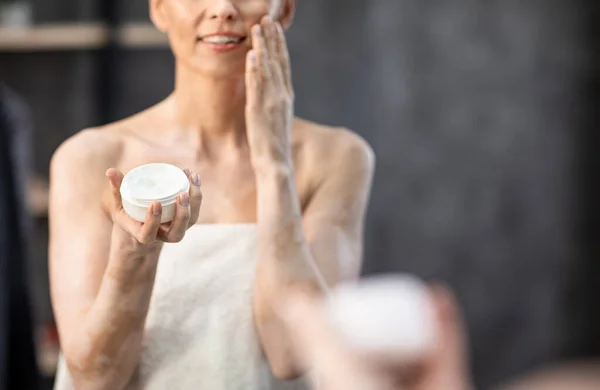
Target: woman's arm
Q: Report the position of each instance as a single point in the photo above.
(311, 252)
(325, 245)
(102, 274)
(100, 292)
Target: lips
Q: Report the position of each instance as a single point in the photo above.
(222, 39)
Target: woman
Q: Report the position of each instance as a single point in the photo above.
(191, 305)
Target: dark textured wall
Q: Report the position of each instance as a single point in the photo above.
(475, 110)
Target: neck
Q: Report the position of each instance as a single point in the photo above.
(212, 108)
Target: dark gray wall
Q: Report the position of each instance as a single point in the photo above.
(474, 109)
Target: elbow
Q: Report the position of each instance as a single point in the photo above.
(278, 350)
(285, 370)
(276, 343)
(91, 373)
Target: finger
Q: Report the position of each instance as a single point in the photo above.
(180, 222)
(195, 198)
(120, 217)
(149, 229)
(283, 57)
(270, 34)
(260, 48)
(115, 177)
(252, 77)
(451, 333)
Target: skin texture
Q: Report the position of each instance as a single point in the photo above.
(230, 122)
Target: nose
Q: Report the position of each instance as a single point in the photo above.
(223, 10)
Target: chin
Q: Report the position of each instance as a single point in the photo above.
(224, 67)
(223, 71)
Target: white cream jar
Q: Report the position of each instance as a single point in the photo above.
(385, 316)
(149, 183)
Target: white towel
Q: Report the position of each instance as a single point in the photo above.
(200, 332)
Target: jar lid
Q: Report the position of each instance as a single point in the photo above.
(154, 182)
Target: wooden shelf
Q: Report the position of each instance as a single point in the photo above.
(53, 37)
(56, 37)
(141, 35)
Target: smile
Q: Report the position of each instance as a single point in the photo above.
(222, 39)
(222, 42)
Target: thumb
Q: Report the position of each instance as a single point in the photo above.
(115, 177)
(452, 357)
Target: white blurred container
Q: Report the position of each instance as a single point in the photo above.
(389, 316)
(150, 183)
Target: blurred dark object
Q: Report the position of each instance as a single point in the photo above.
(53, 11)
(582, 318)
(19, 132)
(18, 368)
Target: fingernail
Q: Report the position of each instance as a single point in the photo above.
(196, 180)
(156, 209)
(187, 172)
(184, 199)
(257, 30)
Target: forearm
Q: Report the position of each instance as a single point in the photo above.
(284, 256)
(106, 349)
(284, 261)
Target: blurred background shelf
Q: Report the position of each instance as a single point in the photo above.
(141, 35)
(53, 37)
(78, 36)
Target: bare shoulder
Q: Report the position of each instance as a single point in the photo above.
(87, 152)
(99, 148)
(333, 150)
(78, 167)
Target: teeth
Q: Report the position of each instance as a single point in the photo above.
(222, 39)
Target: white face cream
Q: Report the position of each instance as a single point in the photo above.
(149, 183)
(387, 315)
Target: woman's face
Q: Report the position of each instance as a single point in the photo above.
(213, 36)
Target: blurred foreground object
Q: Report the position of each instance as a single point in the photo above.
(338, 365)
(48, 349)
(37, 196)
(385, 315)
